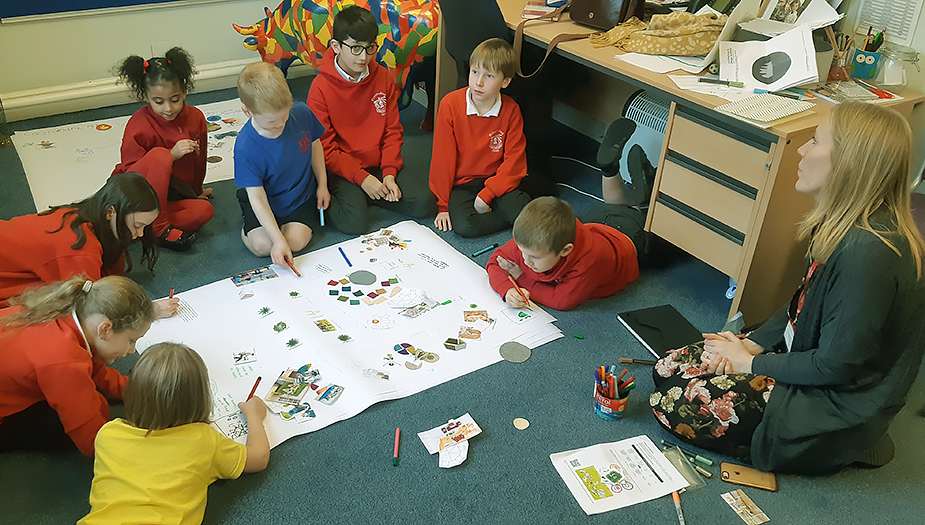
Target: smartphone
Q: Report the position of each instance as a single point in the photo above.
(750, 477)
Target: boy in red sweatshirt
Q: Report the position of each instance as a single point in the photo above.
(559, 262)
(355, 98)
(479, 155)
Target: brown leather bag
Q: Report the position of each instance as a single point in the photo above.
(605, 14)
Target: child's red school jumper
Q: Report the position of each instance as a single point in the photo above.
(52, 362)
(31, 257)
(470, 147)
(146, 147)
(602, 263)
(361, 126)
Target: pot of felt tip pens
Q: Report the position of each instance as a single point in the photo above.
(611, 392)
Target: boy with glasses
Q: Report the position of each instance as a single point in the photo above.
(355, 98)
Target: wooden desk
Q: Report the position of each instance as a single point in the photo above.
(724, 190)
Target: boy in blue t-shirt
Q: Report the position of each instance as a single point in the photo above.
(278, 165)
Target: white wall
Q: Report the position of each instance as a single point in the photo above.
(44, 63)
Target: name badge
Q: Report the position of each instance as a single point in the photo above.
(788, 334)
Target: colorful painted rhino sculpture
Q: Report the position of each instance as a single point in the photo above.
(302, 29)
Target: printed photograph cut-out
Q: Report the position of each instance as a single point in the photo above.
(325, 326)
(244, 356)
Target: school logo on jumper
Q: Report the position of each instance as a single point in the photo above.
(305, 142)
(379, 103)
(496, 140)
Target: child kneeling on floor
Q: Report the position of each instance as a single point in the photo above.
(155, 466)
(559, 262)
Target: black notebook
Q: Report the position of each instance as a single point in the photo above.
(660, 328)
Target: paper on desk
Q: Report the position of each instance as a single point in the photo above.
(614, 475)
(654, 63)
(692, 83)
(450, 433)
(781, 62)
(817, 14)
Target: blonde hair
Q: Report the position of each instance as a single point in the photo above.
(870, 159)
(495, 54)
(262, 88)
(119, 299)
(546, 223)
(169, 387)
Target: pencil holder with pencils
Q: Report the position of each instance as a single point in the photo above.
(611, 392)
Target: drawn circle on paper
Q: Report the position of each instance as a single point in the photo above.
(521, 423)
(403, 348)
(103, 127)
(515, 352)
(362, 277)
(213, 159)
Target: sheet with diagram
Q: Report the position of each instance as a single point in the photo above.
(609, 476)
(344, 336)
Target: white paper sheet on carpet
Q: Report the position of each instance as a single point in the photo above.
(226, 324)
(68, 163)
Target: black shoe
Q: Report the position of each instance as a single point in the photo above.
(642, 174)
(611, 150)
(181, 244)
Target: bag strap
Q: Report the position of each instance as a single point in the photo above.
(562, 37)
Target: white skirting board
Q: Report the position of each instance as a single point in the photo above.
(67, 98)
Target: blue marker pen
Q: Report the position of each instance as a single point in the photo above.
(321, 215)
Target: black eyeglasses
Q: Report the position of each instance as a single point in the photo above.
(356, 50)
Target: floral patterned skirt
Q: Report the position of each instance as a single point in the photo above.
(718, 413)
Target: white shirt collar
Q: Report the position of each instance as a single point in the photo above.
(347, 76)
(493, 112)
(81, 329)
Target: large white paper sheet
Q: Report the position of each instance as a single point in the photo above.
(613, 475)
(67, 163)
(268, 326)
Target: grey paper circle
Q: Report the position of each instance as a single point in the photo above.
(515, 352)
(362, 277)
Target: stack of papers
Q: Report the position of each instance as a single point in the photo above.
(773, 65)
(763, 109)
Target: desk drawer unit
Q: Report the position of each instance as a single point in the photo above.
(708, 188)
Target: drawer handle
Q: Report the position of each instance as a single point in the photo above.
(713, 175)
(702, 219)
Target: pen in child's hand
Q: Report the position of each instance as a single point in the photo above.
(521, 292)
(297, 274)
(249, 396)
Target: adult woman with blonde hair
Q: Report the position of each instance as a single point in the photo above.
(55, 343)
(815, 388)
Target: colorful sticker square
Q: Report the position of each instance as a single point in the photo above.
(333, 292)
(393, 280)
(354, 302)
(380, 291)
(345, 288)
(358, 293)
(342, 298)
(385, 283)
(333, 283)
(345, 281)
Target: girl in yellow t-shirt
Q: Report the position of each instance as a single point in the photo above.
(156, 465)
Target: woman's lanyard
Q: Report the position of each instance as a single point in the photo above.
(790, 328)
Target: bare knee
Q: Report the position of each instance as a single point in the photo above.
(257, 242)
(298, 235)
